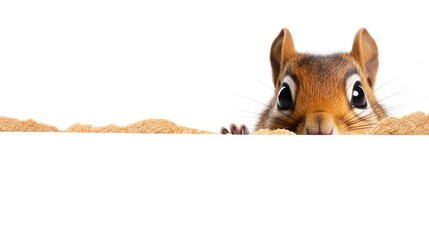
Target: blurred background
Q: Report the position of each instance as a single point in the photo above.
(200, 64)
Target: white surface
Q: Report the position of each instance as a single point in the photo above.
(103, 62)
(116, 186)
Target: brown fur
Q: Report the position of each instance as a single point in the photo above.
(321, 105)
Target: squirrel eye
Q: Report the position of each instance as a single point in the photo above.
(284, 98)
(358, 96)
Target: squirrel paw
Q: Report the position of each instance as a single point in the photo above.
(234, 130)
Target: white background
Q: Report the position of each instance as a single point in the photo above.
(197, 63)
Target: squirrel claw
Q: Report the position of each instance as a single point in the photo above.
(234, 130)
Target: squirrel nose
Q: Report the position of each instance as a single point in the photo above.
(319, 123)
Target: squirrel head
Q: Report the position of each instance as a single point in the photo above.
(323, 94)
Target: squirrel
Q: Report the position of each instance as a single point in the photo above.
(321, 94)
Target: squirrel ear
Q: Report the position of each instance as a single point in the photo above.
(365, 53)
(281, 49)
